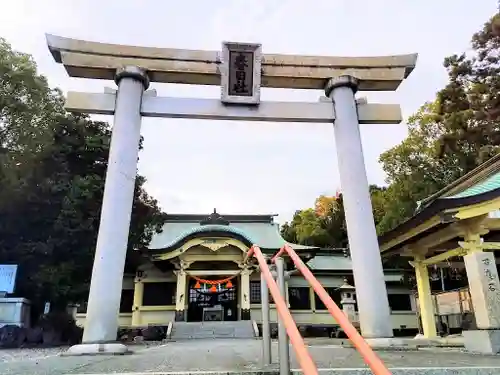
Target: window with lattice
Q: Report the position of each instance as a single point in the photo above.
(255, 297)
(299, 298)
(400, 302)
(334, 293)
(159, 294)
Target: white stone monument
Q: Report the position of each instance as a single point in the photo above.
(241, 72)
(484, 288)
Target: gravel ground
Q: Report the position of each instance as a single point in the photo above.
(35, 354)
(28, 354)
(243, 355)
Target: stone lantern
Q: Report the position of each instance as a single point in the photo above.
(348, 301)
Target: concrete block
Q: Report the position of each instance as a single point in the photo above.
(482, 341)
(15, 311)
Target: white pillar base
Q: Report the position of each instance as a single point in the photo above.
(98, 349)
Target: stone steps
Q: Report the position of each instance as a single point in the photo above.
(212, 330)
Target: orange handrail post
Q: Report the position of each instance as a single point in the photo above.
(369, 356)
(303, 356)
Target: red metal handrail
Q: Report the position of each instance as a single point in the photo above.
(369, 356)
(303, 356)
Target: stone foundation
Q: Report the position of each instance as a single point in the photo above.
(15, 311)
(484, 341)
(180, 315)
(98, 349)
(245, 314)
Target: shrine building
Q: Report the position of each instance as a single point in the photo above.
(194, 271)
(456, 231)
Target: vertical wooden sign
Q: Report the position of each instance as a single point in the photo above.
(241, 73)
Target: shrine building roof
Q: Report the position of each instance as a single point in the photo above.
(475, 194)
(260, 230)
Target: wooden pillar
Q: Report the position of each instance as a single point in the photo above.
(245, 294)
(138, 296)
(287, 292)
(312, 298)
(426, 304)
(180, 295)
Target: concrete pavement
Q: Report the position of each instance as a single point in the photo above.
(244, 356)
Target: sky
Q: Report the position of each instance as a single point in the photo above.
(193, 166)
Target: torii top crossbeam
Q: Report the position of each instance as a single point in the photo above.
(86, 59)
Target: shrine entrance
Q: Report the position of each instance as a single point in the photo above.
(208, 303)
(241, 70)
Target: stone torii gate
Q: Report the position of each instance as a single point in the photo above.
(241, 70)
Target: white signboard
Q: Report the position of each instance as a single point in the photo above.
(7, 277)
(494, 214)
(241, 73)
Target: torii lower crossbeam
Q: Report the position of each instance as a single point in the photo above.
(213, 109)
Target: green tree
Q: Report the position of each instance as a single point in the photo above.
(306, 229)
(25, 98)
(330, 212)
(414, 170)
(52, 171)
(450, 136)
(325, 225)
(469, 106)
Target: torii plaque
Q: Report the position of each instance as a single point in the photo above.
(240, 73)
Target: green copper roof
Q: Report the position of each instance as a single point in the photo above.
(479, 185)
(172, 240)
(489, 184)
(329, 262)
(341, 263)
(265, 235)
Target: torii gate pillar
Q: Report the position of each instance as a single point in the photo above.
(101, 321)
(371, 292)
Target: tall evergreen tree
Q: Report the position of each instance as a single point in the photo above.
(52, 171)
